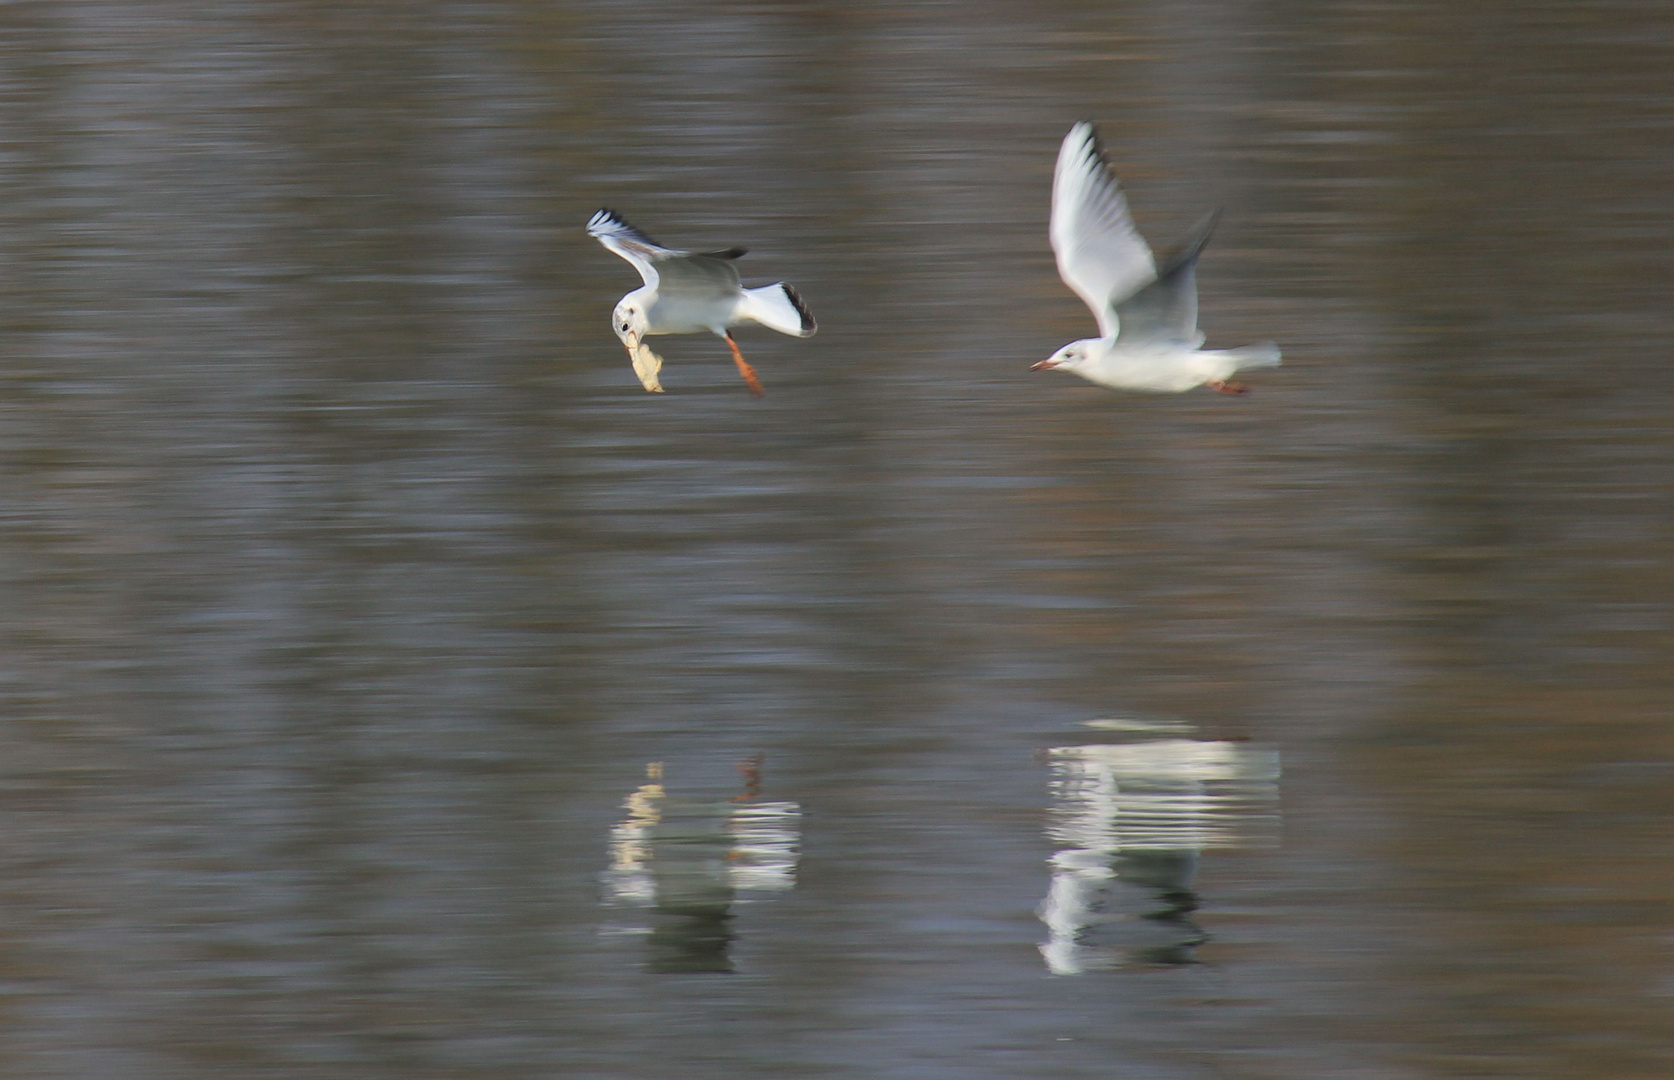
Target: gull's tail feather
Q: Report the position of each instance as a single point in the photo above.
(778, 307)
(1265, 354)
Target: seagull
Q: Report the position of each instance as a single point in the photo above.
(686, 292)
(1147, 310)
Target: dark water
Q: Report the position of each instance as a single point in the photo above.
(351, 584)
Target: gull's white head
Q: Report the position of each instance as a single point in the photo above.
(628, 320)
(1072, 357)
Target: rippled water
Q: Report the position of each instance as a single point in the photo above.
(352, 585)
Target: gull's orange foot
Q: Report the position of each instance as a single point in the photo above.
(744, 369)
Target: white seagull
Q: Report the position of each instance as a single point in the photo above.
(1147, 312)
(686, 292)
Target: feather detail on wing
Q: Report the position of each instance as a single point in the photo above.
(655, 263)
(613, 231)
(1101, 256)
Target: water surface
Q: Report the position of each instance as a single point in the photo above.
(352, 583)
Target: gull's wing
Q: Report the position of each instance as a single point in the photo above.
(655, 262)
(699, 277)
(1165, 311)
(613, 231)
(1100, 254)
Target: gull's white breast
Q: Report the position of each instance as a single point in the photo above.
(1157, 370)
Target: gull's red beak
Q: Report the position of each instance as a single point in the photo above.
(1045, 365)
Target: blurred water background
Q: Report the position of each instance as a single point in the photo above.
(379, 660)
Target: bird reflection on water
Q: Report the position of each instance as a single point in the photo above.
(684, 864)
(1133, 814)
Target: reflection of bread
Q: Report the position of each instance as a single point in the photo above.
(646, 366)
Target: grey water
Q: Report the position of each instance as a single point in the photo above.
(391, 688)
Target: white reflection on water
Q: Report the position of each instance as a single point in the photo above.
(684, 863)
(1133, 817)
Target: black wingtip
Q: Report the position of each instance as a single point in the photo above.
(808, 323)
(1095, 145)
(605, 216)
(1092, 153)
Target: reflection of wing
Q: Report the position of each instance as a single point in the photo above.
(1165, 311)
(1100, 254)
(653, 261)
(765, 838)
(1131, 819)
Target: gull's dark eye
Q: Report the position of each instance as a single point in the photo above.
(624, 327)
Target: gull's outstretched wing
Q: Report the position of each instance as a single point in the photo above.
(613, 231)
(1100, 254)
(1165, 311)
(701, 271)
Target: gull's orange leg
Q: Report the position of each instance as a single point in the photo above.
(1227, 387)
(744, 369)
